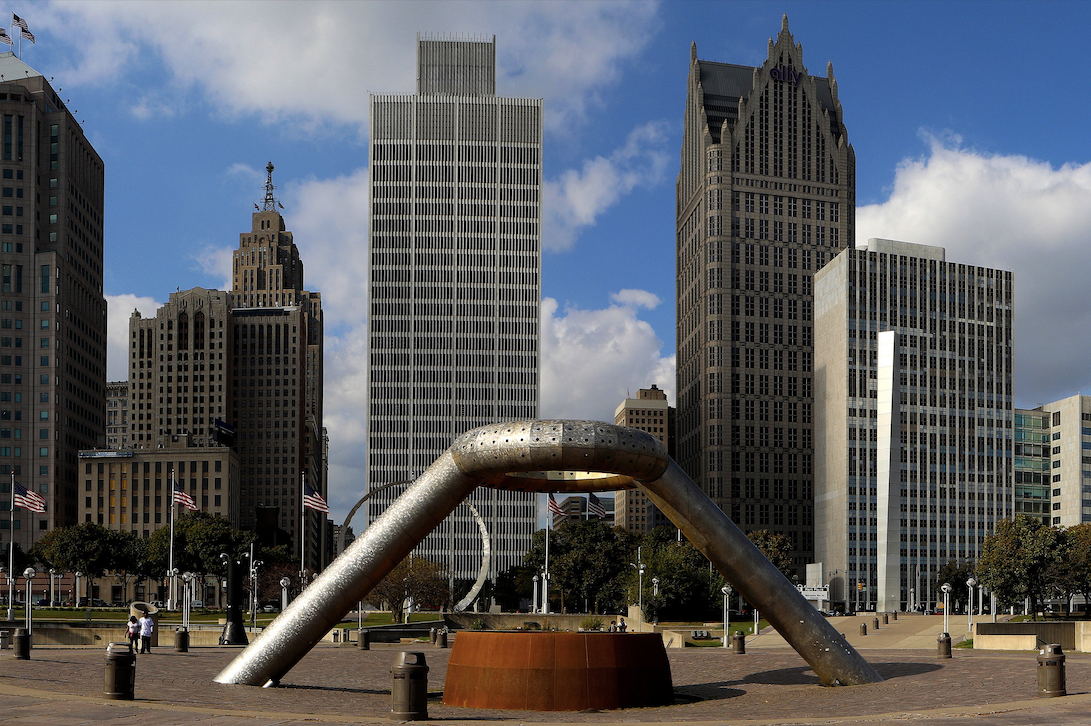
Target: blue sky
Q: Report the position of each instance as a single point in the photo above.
(968, 121)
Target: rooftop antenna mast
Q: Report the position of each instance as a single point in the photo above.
(270, 204)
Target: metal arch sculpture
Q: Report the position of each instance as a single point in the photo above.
(572, 456)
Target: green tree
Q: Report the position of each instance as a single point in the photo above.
(126, 556)
(199, 538)
(956, 573)
(414, 579)
(776, 547)
(1078, 561)
(83, 548)
(1019, 560)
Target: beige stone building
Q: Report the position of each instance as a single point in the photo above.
(1067, 425)
(117, 415)
(914, 419)
(130, 489)
(647, 412)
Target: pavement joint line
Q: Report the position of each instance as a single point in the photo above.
(948, 711)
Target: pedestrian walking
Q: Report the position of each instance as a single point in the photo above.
(613, 626)
(147, 627)
(134, 633)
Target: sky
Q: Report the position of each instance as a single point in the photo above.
(968, 122)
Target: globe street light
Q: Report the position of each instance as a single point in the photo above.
(639, 592)
(29, 573)
(52, 590)
(726, 590)
(76, 600)
(187, 583)
(254, 565)
(534, 602)
(970, 603)
(946, 607)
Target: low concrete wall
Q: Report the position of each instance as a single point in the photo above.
(515, 621)
(1005, 642)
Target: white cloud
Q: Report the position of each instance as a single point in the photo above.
(119, 308)
(577, 197)
(243, 55)
(592, 359)
(1017, 214)
(328, 218)
(216, 262)
(636, 298)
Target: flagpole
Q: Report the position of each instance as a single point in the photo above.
(302, 532)
(170, 565)
(11, 550)
(545, 579)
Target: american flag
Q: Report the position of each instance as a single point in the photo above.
(4, 37)
(184, 498)
(594, 506)
(28, 500)
(555, 508)
(23, 28)
(313, 500)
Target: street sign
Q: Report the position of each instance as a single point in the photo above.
(815, 593)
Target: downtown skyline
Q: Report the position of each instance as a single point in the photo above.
(187, 123)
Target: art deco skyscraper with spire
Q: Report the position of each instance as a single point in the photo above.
(454, 290)
(765, 196)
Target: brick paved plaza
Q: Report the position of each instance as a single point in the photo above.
(343, 685)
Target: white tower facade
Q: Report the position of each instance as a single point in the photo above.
(454, 286)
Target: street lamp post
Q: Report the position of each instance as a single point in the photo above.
(29, 573)
(946, 608)
(970, 583)
(655, 592)
(726, 590)
(187, 597)
(254, 565)
(76, 599)
(284, 583)
(52, 588)
(534, 602)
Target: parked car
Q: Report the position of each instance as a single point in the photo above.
(270, 607)
(94, 603)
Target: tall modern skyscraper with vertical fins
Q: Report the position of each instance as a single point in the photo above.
(454, 286)
(765, 196)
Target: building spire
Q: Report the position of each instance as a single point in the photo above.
(270, 203)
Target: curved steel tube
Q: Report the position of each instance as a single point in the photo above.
(583, 451)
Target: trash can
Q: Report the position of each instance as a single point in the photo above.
(738, 643)
(409, 692)
(863, 628)
(886, 619)
(5, 639)
(441, 639)
(943, 645)
(1051, 681)
(363, 639)
(20, 643)
(181, 640)
(875, 623)
(894, 614)
(432, 635)
(120, 672)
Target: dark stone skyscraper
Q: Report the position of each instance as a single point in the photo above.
(53, 317)
(765, 196)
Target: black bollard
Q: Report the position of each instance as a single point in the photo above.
(943, 645)
(20, 644)
(409, 692)
(1051, 680)
(738, 643)
(120, 677)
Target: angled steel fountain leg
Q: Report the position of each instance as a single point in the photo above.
(349, 578)
(835, 662)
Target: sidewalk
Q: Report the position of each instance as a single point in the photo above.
(344, 685)
(908, 632)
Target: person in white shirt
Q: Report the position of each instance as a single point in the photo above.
(147, 626)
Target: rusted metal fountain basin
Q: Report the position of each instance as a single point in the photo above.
(551, 671)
